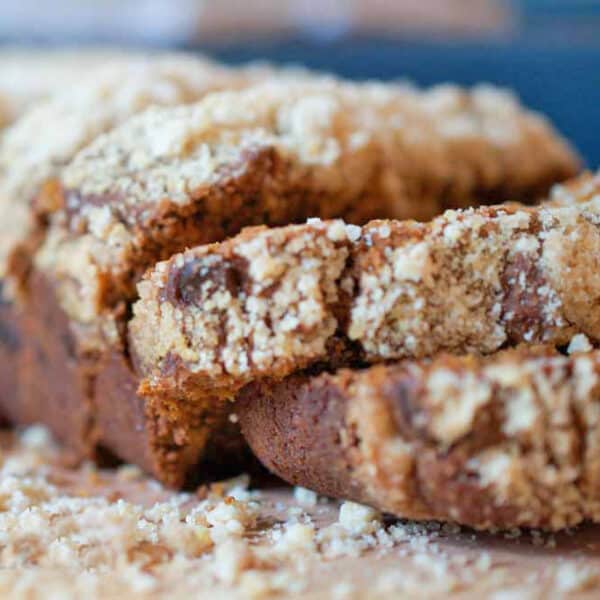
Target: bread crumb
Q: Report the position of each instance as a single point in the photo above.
(573, 578)
(343, 591)
(358, 518)
(66, 534)
(484, 562)
(579, 343)
(230, 518)
(129, 472)
(232, 557)
(297, 537)
(305, 497)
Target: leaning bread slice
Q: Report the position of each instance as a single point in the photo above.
(45, 139)
(269, 302)
(509, 440)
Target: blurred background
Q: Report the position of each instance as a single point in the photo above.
(548, 51)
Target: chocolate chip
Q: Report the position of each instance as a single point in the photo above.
(185, 284)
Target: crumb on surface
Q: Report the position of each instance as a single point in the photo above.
(69, 534)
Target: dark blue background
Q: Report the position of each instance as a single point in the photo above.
(555, 70)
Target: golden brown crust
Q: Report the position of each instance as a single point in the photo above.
(503, 441)
(270, 301)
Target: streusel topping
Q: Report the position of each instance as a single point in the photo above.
(46, 138)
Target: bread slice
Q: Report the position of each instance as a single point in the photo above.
(508, 440)
(35, 340)
(269, 302)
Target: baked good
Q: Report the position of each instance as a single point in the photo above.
(508, 440)
(274, 153)
(269, 302)
(346, 150)
(114, 87)
(71, 119)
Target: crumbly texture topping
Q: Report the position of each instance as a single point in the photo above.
(475, 280)
(101, 534)
(469, 281)
(169, 154)
(72, 118)
(502, 441)
(295, 147)
(260, 302)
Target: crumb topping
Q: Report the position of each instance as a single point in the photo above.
(259, 302)
(171, 153)
(477, 279)
(73, 117)
(284, 150)
(533, 465)
(579, 343)
(501, 441)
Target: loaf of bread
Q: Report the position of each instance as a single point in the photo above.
(173, 178)
(110, 88)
